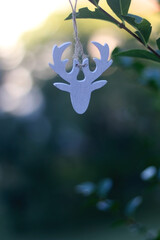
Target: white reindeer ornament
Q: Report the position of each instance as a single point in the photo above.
(80, 90)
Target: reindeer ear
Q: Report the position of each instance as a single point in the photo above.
(62, 86)
(98, 84)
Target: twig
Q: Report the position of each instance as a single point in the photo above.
(122, 26)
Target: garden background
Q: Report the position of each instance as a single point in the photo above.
(46, 149)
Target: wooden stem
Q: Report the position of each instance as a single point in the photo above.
(122, 26)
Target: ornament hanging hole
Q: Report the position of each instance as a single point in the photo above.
(81, 75)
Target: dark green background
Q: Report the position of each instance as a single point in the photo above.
(45, 155)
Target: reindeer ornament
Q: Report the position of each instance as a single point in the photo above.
(80, 90)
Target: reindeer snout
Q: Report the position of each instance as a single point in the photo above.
(80, 96)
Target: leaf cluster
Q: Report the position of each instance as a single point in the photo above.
(142, 26)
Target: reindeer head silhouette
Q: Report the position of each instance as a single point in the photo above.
(80, 90)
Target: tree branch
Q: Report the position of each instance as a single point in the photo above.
(122, 26)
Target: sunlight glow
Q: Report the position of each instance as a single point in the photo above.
(18, 95)
(19, 16)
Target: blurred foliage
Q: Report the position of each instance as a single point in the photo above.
(45, 154)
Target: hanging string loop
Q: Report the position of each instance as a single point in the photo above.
(78, 50)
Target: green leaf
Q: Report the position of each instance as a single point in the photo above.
(104, 187)
(151, 171)
(133, 205)
(141, 24)
(138, 54)
(115, 51)
(140, 36)
(119, 7)
(95, 2)
(86, 13)
(158, 236)
(85, 188)
(158, 43)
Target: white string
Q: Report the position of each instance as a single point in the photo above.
(78, 52)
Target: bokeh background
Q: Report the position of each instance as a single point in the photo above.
(46, 149)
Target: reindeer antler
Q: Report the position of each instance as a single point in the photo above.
(101, 64)
(60, 66)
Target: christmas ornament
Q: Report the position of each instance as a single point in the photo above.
(80, 90)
